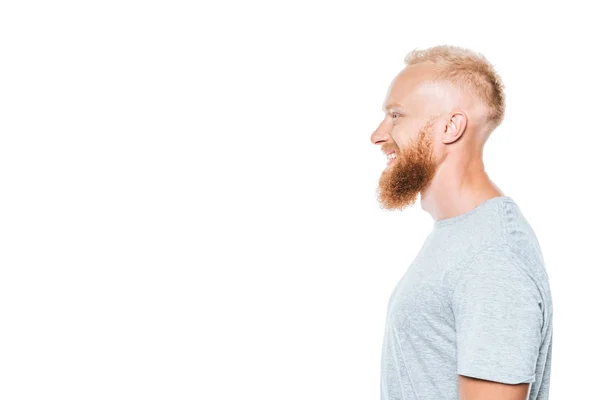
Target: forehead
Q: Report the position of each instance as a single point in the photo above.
(411, 88)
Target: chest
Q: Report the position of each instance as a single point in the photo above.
(418, 298)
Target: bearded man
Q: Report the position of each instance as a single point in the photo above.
(471, 318)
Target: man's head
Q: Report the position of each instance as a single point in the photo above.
(442, 106)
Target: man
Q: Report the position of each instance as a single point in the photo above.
(471, 318)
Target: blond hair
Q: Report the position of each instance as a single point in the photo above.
(468, 70)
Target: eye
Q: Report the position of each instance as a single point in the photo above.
(395, 115)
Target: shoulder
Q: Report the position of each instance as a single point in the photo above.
(520, 235)
(497, 270)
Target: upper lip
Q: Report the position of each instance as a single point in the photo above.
(389, 152)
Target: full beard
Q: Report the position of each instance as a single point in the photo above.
(409, 174)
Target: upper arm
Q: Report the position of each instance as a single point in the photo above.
(479, 389)
(498, 321)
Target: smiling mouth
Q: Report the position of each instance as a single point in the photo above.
(391, 158)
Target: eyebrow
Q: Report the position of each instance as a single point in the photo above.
(393, 105)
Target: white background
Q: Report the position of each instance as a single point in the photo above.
(187, 190)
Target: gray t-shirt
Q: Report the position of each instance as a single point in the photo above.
(475, 301)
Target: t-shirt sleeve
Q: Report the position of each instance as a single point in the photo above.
(498, 320)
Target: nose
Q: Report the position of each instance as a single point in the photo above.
(381, 134)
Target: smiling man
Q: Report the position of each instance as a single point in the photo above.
(471, 318)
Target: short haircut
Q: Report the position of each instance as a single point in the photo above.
(468, 70)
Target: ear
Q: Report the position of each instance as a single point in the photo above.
(455, 127)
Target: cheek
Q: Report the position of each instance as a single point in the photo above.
(400, 136)
(404, 140)
(397, 141)
(405, 131)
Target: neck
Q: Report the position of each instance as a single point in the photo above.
(458, 188)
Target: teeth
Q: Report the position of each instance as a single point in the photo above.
(391, 155)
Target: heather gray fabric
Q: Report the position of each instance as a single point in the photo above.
(474, 301)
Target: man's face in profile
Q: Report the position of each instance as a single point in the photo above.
(407, 131)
